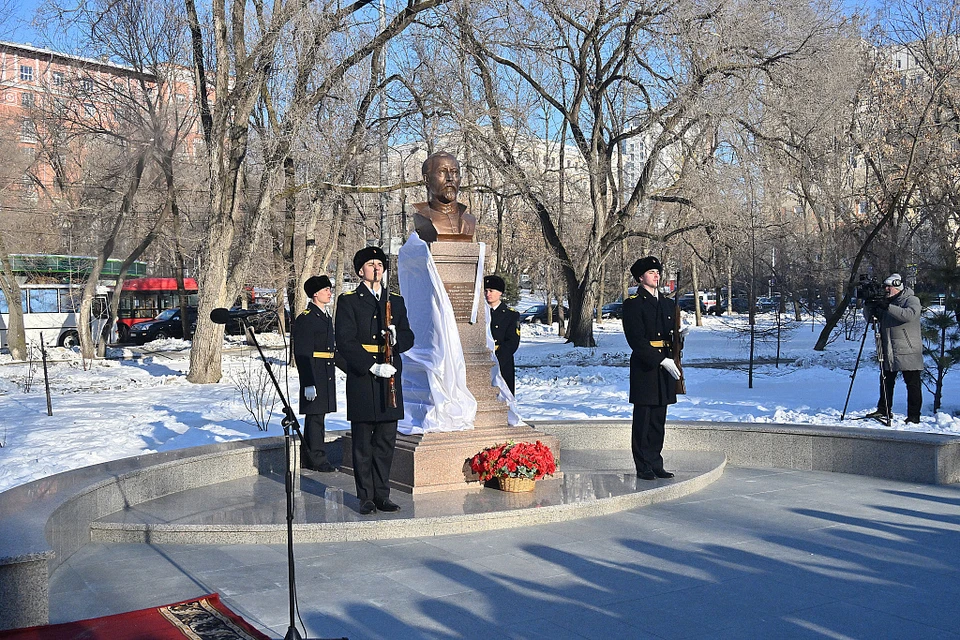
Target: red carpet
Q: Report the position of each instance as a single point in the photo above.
(204, 618)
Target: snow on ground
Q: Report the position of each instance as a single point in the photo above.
(140, 401)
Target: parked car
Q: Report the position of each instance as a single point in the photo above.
(765, 304)
(612, 310)
(166, 325)
(261, 320)
(687, 302)
(538, 313)
(739, 305)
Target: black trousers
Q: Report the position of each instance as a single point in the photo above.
(914, 393)
(508, 372)
(373, 446)
(313, 449)
(647, 438)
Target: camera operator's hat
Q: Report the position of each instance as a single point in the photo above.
(316, 283)
(494, 282)
(643, 265)
(367, 254)
(894, 280)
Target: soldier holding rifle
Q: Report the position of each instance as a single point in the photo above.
(649, 324)
(367, 333)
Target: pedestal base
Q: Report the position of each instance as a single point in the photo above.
(441, 461)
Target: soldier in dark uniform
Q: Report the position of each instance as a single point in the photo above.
(648, 323)
(362, 332)
(316, 358)
(504, 326)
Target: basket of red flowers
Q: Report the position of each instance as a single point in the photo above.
(515, 465)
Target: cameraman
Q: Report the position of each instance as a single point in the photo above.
(898, 318)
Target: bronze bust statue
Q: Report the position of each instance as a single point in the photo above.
(441, 217)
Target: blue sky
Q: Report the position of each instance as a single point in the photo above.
(16, 28)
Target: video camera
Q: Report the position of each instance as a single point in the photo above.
(870, 290)
(872, 293)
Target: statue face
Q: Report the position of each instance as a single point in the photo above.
(443, 179)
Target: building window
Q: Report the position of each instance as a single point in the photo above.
(29, 187)
(89, 110)
(26, 73)
(57, 78)
(181, 99)
(26, 100)
(86, 84)
(28, 131)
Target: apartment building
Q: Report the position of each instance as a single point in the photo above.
(52, 106)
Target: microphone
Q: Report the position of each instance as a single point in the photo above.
(220, 316)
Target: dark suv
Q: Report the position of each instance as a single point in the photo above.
(166, 325)
(261, 320)
(538, 313)
(612, 310)
(686, 303)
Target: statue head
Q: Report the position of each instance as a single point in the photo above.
(441, 174)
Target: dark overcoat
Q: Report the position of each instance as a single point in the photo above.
(505, 329)
(359, 322)
(647, 319)
(315, 354)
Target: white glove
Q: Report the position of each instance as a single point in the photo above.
(684, 330)
(383, 370)
(391, 334)
(310, 393)
(671, 367)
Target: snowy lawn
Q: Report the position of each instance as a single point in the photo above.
(118, 408)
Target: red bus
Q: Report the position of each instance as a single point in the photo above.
(143, 298)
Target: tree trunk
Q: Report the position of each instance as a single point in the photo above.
(90, 289)
(205, 355)
(580, 328)
(16, 336)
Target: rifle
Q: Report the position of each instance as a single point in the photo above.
(677, 342)
(388, 348)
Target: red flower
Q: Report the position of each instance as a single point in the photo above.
(514, 460)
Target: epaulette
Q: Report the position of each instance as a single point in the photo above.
(349, 293)
(395, 293)
(633, 296)
(305, 312)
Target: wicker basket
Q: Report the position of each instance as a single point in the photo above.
(517, 485)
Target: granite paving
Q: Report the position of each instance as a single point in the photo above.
(760, 553)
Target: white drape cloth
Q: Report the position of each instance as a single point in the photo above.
(435, 394)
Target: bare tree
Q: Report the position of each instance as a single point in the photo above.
(129, 120)
(651, 72)
(240, 53)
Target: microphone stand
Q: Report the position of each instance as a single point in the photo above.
(288, 422)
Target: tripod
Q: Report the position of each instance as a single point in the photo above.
(872, 323)
(289, 422)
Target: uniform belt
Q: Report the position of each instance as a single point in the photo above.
(323, 354)
(372, 348)
(659, 344)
